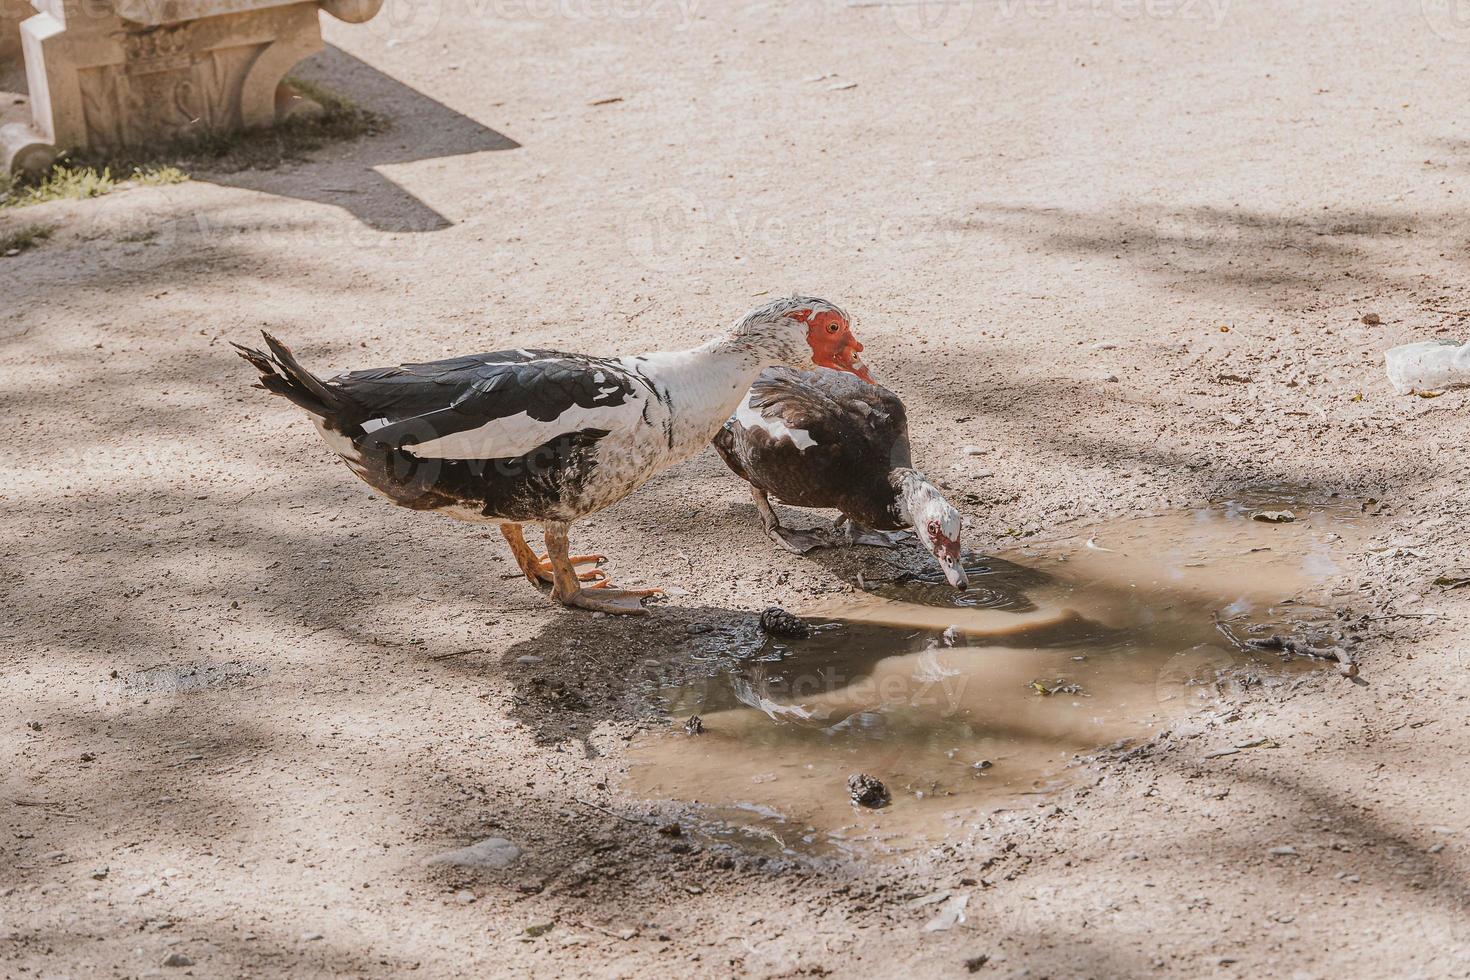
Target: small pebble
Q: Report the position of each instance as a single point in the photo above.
(1286, 850)
(464, 896)
(178, 959)
(867, 791)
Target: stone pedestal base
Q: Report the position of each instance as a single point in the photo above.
(115, 75)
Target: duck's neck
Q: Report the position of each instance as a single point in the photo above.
(703, 386)
(910, 488)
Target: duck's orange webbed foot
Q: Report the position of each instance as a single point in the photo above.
(597, 597)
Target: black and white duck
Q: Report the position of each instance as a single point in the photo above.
(521, 436)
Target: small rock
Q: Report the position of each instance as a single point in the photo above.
(492, 852)
(1436, 847)
(974, 450)
(178, 959)
(778, 622)
(671, 830)
(142, 890)
(1372, 320)
(867, 791)
(1441, 830)
(34, 726)
(983, 765)
(1286, 850)
(694, 726)
(539, 929)
(1273, 516)
(951, 914)
(974, 963)
(464, 896)
(99, 873)
(310, 937)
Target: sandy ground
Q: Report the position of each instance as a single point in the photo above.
(1123, 247)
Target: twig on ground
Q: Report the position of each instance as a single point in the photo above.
(457, 653)
(46, 808)
(610, 813)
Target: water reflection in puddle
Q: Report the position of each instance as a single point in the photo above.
(963, 703)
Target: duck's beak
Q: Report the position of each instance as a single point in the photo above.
(947, 553)
(848, 358)
(954, 572)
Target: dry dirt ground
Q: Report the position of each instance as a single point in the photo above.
(1125, 247)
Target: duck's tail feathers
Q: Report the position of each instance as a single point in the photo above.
(282, 374)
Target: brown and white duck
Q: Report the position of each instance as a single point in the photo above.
(833, 440)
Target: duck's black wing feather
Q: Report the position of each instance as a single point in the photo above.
(417, 402)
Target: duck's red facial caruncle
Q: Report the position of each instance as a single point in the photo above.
(833, 345)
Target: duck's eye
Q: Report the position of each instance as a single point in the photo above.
(833, 327)
(933, 529)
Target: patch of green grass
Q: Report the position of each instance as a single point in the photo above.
(24, 239)
(67, 182)
(84, 175)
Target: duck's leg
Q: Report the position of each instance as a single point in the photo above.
(799, 542)
(537, 568)
(567, 589)
(854, 533)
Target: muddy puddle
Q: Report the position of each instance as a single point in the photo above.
(965, 703)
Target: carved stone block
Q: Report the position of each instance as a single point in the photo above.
(109, 75)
